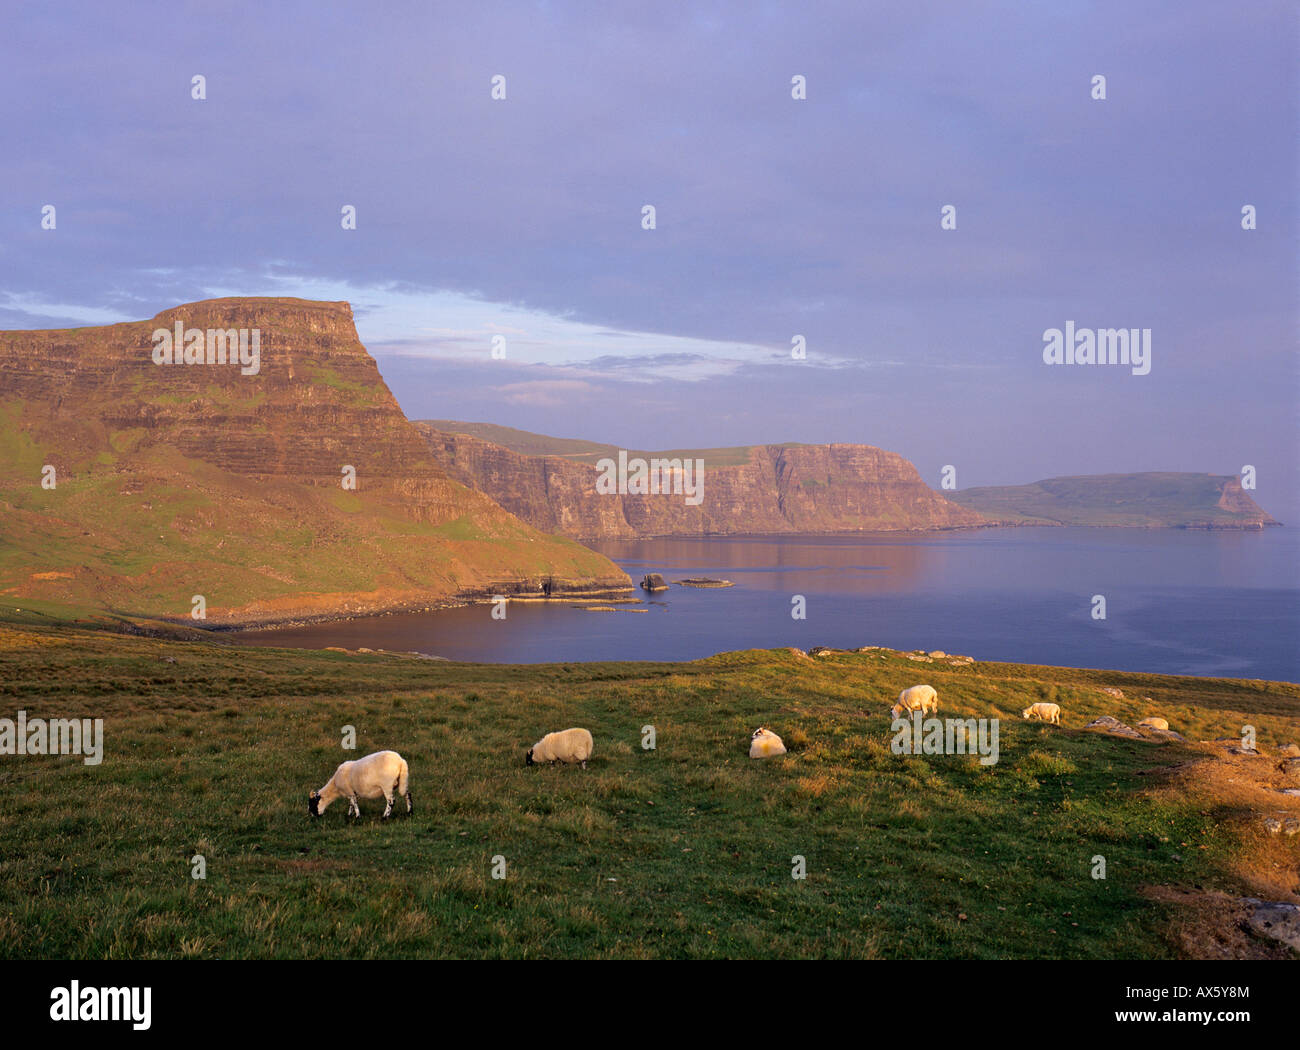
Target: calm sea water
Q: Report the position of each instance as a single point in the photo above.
(1180, 602)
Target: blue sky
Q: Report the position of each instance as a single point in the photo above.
(775, 217)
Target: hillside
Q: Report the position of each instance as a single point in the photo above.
(766, 489)
(684, 851)
(181, 480)
(1151, 500)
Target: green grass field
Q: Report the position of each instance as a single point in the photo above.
(683, 851)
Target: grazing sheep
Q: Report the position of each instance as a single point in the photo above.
(1046, 712)
(765, 744)
(382, 773)
(1154, 722)
(569, 745)
(923, 698)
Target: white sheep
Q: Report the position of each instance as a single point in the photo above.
(923, 698)
(382, 773)
(1154, 722)
(569, 745)
(1046, 712)
(765, 744)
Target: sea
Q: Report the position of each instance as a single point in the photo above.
(1173, 601)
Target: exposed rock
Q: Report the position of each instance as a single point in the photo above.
(1110, 690)
(1113, 726)
(704, 581)
(1275, 920)
(653, 581)
(1232, 744)
(937, 654)
(1290, 767)
(1289, 751)
(1166, 734)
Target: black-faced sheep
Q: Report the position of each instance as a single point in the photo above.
(382, 773)
(568, 745)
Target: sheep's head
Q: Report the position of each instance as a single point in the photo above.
(313, 803)
(760, 731)
(896, 711)
(528, 758)
(1025, 712)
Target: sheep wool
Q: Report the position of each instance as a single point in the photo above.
(1046, 712)
(383, 773)
(923, 698)
(1154, 722)
(568, 746)
(765, 744)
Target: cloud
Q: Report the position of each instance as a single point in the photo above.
(550, 393)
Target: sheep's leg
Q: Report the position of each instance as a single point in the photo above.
(354, 810)
(409, 808)
(584, 763)
(388, 809)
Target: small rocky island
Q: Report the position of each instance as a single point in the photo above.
(704, 581)
(653, 581)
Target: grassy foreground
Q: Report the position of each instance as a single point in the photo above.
(683, 851)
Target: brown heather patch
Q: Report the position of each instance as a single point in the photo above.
(1207, 924)
(1236, 791)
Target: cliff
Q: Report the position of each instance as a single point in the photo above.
(173, 480)
(766, 489)
(1149, 500)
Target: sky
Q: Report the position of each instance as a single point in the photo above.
(775, 217)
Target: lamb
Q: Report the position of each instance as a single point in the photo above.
(1154, 722)
(569, 745)
(923, 698)
(765, 744)
(382, 773)
(1047, 712)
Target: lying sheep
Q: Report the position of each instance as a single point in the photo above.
(765, 744)
(569, 745)
(382, 773)
(1154, 722)
(923, 698)
(1046, 712)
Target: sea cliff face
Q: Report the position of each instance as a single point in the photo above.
(132, 485)
(768, 489)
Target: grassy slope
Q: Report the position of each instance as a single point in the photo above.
(529, 444)
(143, 540)
(1151, 499)
(684, 851)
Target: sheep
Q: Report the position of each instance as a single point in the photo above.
(765, 744)
(923, 698)
(1047, 712)
(1154, 722)
(569, 745)
(382, 773)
